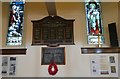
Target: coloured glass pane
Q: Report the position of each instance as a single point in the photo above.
(15, 28)
(94, 21)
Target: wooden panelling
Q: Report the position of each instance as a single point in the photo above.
(13, 51)
(53, 31)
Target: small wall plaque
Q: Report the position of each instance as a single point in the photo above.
(50, 54)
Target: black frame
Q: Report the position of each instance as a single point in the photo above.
(53, 54)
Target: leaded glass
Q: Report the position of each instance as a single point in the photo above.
(94, 21)
(15, 28)
(94, 39)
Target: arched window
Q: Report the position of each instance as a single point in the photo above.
(15, 28)
(94, 22)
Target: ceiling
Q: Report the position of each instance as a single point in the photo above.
(51, 8)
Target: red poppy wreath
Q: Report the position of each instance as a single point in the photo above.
(52, 69)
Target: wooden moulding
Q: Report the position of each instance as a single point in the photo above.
(21, 51)
(53, 31)
(102, 50)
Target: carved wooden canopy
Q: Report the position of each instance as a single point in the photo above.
(52, 31)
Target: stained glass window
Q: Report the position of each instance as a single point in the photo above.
(94, 21)
(15, 28)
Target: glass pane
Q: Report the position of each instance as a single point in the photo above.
(94, 21)
(15, 28)
(94, 39)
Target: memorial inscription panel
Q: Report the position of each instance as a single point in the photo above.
(53, 54)
(53, 30)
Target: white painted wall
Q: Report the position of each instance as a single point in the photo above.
(109, 17)
(77, 64)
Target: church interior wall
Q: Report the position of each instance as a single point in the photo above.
(77, 64)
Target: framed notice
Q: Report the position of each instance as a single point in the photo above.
(104, 65)
(53, 54)
(8, 66)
